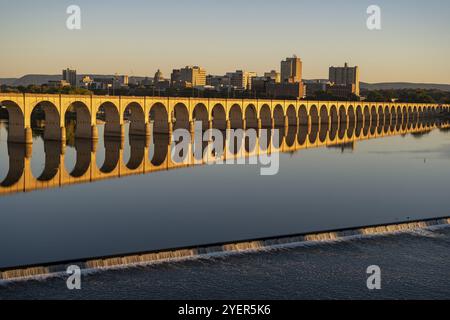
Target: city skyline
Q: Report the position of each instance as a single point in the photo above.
(139, 37)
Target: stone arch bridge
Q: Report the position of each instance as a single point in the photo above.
(149, 115)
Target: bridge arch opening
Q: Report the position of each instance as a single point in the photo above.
(366, 114)
(46, 121)
(404, 118)
(291, 116)
(342, 122)
(265, 116)
(108, 113)
(219, 117)
(314, 115)
(180, 117)
(410, 117)
(278, 116)
(334, 116)
(251, 117)
(351, 122)
(135, 116)
(303, 116)
(414, 116)
(200, 114)
(359, 121)
(399, 118)
(380, 118)
(374, 115)
(324, 116)
(159, 118)
(393, 119)
(13, 115)
(359, 114)
(235, 116)
(387, 119)
(77, 121)
(324, 123)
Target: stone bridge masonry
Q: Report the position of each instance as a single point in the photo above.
(149, 115)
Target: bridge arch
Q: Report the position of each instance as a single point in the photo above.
(200, 113)
(134, 113)
(380, 117)
(219, 117)
(351, 116)
(291, 115)
(251, 116)
(278, 116)
(324, 116)
(159, 117)
(303, 116)
(79, 114)
(180, 116)
(314, 115)
(235, 117)
(265, 116)
(16, 121)
(46, 114)
(109, 113)
(343, 122)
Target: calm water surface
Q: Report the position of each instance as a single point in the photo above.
(376, 181)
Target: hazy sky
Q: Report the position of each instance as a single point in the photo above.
(136, 37)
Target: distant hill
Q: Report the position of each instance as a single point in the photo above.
(7, 81)
(404, 85)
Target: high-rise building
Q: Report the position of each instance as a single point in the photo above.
(291, 70)
(241, 80)
(273, 75)
(70, 76)
(189, 77)
(345, 76)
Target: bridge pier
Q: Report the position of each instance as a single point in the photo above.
(28, 136)
(94, 132)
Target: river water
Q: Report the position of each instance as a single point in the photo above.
(382, 180)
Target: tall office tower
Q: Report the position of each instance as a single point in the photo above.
(70, 76)
(291, 70)
(345, 76)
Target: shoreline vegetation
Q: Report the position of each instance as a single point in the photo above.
(433, 96)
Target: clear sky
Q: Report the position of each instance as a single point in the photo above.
(136, 37)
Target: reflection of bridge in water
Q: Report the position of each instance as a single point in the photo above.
(154, 154)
